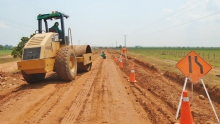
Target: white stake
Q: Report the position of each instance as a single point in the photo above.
(181, 97)
(210, 100)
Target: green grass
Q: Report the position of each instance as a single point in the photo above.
(5, 52)
(210, 55)
(6, 59)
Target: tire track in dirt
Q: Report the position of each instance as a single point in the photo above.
(15, 103)
(90, 111)
(44, 103)
(61, 107)
(93, 108)
(41, 109)
(4, 99)
(59, 102)
(109, 102)
(77, 106)
(68, 98)
(86, 108)
(104, 97)
(33, 103)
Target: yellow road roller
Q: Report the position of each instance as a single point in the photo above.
(51, 50)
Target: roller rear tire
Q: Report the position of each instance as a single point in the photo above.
(66, 64)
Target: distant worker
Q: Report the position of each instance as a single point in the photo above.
(124, 52)
(56, 26)
(103, 54)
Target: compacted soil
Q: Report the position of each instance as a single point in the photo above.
(102, 95)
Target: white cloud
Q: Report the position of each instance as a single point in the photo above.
(168, 11)
(213, 5)
(3, 25)
(194, 16)
(205, 18)
(28, 29)
(5, 0)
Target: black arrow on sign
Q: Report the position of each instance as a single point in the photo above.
(196, 60)
(201, 67)
(190, 64)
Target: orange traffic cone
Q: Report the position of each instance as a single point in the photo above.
(116, 59)
(120, 63)
(132, 75)
(185, 115)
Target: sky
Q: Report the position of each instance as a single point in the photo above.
(159, 23)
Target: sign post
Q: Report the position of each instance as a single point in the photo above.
(194, 68)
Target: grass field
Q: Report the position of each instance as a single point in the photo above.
(210, 55)
(5, 56)
(5, 60)
(5, 52)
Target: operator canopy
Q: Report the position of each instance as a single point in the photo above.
(55, 15)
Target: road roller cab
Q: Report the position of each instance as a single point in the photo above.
(51, 50)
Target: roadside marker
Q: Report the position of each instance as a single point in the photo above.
(116, 59)
(194, 68)
(185, 115)
(132, 75)
(120, 62)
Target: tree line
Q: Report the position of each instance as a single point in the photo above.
(5, 47)
(17, 51)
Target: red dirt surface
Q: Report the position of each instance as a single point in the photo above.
(102, 95)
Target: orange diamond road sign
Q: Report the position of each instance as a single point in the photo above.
(193, 66)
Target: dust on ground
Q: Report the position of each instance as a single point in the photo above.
(102, 95)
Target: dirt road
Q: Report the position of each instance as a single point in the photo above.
(102, 95)
(99, 96)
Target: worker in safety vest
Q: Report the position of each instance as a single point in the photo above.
(56, 26)
(124, 52)
(103, 54)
